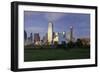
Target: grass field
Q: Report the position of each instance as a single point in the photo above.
(31, 54)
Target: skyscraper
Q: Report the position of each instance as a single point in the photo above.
(36, 39)
(31, 37)
(25, 35)
(45, 39)
(50, 33)
(59, 37)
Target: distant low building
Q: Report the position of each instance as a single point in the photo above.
(85, 41)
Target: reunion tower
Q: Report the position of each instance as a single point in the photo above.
(50, 33)
(71, 33)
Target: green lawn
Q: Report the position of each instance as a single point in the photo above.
(31, 54)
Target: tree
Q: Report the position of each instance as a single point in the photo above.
(79, 43)
(55, 43)
(70, 44)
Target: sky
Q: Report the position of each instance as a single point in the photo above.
(37, 22)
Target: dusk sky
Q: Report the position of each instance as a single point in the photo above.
(38, 22)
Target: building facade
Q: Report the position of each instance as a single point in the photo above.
(25, 35)
(50, 33)
(36, 39)
(59, 37)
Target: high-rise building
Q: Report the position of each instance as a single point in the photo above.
(67, 36)
(59, 37)
(36, 39)
(45, 39)
(25, 38)
(56, 37)
(31, 37)
(85, 41)
(50, 33)
(25, 35)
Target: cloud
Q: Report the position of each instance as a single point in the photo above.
(34, 29)
(50, 16)
(37, 29)
(32, 13)
(53, 16)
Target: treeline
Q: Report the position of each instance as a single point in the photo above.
(70, 44)
(77, 44)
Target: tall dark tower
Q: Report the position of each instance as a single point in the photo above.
(71, 33)
(31, 37)
(25, 35)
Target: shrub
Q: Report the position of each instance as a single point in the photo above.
(70, 44)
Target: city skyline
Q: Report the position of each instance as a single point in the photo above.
(37, 22)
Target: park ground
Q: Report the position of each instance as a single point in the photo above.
(32, 54)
